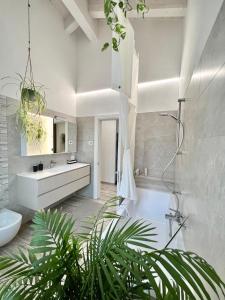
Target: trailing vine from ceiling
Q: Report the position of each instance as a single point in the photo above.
(111, 13)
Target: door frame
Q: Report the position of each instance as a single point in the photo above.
(97, 152)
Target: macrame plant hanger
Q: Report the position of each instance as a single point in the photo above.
(28, 76)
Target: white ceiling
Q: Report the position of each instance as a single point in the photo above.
(60, 8)
(95, 4)
(150, 3)
(94, 10)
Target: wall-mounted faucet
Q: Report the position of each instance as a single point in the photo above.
(176, 193)
(176, 216)
(52, 164)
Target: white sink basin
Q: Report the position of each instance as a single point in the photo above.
(53, 171)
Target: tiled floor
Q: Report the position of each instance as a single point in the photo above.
(79, 207)
(108, 191)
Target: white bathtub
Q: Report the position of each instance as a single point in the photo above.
(152, 206)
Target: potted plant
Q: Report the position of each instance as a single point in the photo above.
(102, 263)
(32, 105)
(32, 99)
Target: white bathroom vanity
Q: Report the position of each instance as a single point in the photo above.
(42, 189)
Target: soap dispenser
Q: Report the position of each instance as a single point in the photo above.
(40, 166)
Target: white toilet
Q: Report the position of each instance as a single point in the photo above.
(10, 223)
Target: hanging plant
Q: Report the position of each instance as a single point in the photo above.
(110, 10)
(32, 105)
(30, 124)
(32, 99)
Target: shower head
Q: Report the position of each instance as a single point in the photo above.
(168, 115)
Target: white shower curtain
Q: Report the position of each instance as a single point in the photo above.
(125, 65)
(133, 104)
(127, 187)
(132, 128)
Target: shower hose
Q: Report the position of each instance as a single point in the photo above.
(181, 131)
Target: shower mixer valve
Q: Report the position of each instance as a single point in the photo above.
(177, 216)
(174, 215)
(176, 193)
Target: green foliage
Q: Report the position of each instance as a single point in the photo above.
(141, 7)
(32, 105)
(105, 46)
(112, 259)
(110, 9)
(30, 125)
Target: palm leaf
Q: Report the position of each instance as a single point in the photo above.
(116, 259)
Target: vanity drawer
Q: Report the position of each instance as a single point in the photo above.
(54, 182)
(47, 199)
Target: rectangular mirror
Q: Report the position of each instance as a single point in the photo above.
(60, 137)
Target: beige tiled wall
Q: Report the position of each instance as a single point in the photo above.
(155, 143)
(85, 147)
(3, 153)
(200, 171)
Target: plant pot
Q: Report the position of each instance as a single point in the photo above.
(28, 95)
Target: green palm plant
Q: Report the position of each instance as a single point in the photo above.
(111, 259)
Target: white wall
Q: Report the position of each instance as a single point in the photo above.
(99, 102)
(53, 51)
(94, 94)
(159, 43)
(159, 95)
(93, 65)
(108, 151)
(200, 18)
